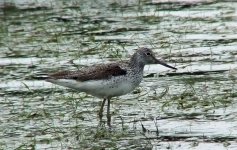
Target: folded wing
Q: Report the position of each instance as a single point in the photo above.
(91, 73)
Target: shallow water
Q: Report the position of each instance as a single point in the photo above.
(192, 108)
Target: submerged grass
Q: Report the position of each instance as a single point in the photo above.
(59, 118)
(199, 96)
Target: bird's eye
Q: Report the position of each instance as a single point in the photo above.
(148, 54)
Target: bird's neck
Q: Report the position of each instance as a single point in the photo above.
(136, 63)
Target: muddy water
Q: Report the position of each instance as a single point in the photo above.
(192, 108)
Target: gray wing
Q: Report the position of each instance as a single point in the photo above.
(91, 73)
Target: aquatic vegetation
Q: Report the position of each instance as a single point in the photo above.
(194, 107)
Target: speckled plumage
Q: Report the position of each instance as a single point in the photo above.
(108, 80)
(103, 81)
(96, 72)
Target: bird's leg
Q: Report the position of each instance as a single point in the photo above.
(108, 113)
(100, 114)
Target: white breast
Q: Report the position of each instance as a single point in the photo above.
(116, 86)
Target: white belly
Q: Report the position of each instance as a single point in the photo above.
(101, 88)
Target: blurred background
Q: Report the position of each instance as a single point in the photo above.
(192, 108)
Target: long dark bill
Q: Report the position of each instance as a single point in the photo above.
(164, 64)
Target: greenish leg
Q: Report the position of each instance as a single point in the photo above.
(108, 113)
(100, 114)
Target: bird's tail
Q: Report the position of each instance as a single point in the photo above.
(41, 77)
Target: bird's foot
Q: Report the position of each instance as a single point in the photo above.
(100, 115)
(109, 120)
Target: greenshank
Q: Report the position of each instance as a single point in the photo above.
(108, 80)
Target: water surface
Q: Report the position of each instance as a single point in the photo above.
(192, 108)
